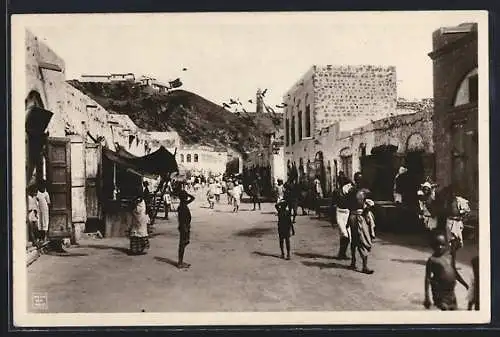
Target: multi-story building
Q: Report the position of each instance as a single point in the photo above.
(353, 95)
(455, 62)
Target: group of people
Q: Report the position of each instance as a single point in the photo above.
(231, 187)
(354, 216)
(38, 212)
(442, 214)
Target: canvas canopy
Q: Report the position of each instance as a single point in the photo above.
(159, 163)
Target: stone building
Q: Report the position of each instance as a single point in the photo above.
(377, 149)
(69, 156)
(352, 95)
(455, 66)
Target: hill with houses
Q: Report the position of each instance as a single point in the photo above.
(196, 119)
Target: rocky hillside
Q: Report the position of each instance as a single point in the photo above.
(197, 120)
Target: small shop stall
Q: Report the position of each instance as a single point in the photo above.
(123, 174)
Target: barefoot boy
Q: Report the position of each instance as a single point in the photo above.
(441, 275)
(184, 217)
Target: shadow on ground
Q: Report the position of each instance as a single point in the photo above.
(420, 242)
(267, 254)
(313, 256)
(66, 254)
(324, 265)
(415, 261)
(96, 246)
(255, 232)
(166, 260)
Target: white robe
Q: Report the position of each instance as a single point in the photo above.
(43, 204)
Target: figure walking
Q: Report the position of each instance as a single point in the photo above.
(284, 228)
(361, 222)
(237, 194)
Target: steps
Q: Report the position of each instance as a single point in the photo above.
(33, 252)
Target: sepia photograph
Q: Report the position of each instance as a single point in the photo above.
(257, 168)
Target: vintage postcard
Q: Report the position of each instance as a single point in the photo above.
(250, 168)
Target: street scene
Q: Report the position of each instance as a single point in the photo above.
(183, 178)
(235, 266)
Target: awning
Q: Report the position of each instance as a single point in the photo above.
(37, 120)
(158, 163)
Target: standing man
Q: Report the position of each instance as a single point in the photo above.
(237, 194)
(342, 214)
(184, 218)
(255, 191)
(361, 222)
(146, 194)
(400, 185)
(318, 195)
(43, 204)
(230, 186)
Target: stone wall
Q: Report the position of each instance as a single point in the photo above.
(353, 92)
(335, 141)
(454, 56)
(352, 95)
(49, 84)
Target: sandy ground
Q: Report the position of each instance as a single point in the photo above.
(235, 267)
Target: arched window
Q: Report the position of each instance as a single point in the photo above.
(182, 158)
(362, 150)
(195, 157)
(415, 143)
(188, 158)
(467, 91)
(346, 161)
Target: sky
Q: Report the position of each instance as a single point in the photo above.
(230, 55)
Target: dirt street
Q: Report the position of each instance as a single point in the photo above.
(235, 267)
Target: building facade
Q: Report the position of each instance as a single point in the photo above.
(350, 95)
(376, 149)
(70, 158)
(268, 163)
(195, 159)
(455, 67)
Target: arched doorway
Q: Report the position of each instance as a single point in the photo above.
(37, 119)
(415, 164)
(319, 167)
(301, 169)
(346, 162)
(329, 179)
(383, 165)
